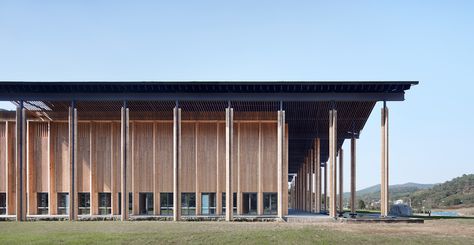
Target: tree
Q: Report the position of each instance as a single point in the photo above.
(361, 204)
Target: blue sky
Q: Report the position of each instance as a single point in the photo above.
(430, 41)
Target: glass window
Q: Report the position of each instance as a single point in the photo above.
(3, 203)
(188, 203)
(146, 203)
(42, 203)
(166, 203)
(63, 203)
(130, 202)
(249, 203)
(208, 201)
(270, 203)
(234, 200)
(105, 206)
(84, 203)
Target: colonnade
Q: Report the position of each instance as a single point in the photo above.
(309, 192)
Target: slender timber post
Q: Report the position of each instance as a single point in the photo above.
(280, 146)
(325, 195)
(384, 204)
(20, 162)
(125, 138)
(332, 162)
(72, 161)
(353, 174)
(317, 171)
(176, 162)
(341, 177)
(229, 137)
(311, 181)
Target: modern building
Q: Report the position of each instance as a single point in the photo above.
(184, 148)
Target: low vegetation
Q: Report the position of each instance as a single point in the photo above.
(152, 232)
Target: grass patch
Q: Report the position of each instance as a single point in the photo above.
(153, 232)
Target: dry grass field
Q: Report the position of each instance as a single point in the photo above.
(453, 231)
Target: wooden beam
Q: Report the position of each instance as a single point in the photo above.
(125, 138)
(384, 204)
(229, 137)
(20, 163)
(176, 162)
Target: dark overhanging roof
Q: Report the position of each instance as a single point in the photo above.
(306, 102)
(208, 90)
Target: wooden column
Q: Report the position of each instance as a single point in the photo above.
(341, 180)
(20, 163)
(73, 207)
(311, 180)
(280, 152)
(353, 174)
(176, 162)
(317, 171)
(229, 137)
(218, 176)
(384, 204)
(124, 145)
(325, 195)
(332, 162)
(259, 173)
(305, 184)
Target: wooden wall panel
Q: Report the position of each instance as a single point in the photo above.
(83, 166)
(143, 157)
(221, 160)
(101, 156)
(188, 157)
(59, 139)
(11, 169)
(207, 157)
(164, 156)
(40, 155)
(202, 165)
(37, 162)
(269, 157)
(249, 145)
(116, 168)
(3, 157)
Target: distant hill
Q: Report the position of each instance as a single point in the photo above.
(458, 192)
(396, 191)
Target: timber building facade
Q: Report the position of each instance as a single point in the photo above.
(183, 149)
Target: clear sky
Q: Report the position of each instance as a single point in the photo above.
(430, 41)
